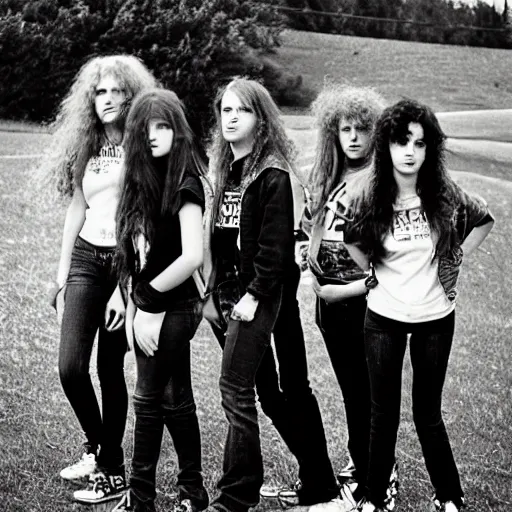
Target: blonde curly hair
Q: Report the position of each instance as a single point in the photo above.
(77, 131)
(361, 105)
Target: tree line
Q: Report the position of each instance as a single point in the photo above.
(436, 21)
(191, 45)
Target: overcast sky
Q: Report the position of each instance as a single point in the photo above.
(498, 3)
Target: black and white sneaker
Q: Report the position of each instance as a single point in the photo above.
(101, 487)
(448, 506)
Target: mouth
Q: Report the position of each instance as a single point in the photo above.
(109, 111)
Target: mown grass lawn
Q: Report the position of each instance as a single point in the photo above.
(39, 433)
(448, 78)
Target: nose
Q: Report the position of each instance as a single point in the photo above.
(353, 134)
(410, 148)
(151, 135)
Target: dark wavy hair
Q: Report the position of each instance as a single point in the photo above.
(270, 139)
(437, 191)
(150, 185)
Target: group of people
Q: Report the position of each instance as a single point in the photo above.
(387, 230)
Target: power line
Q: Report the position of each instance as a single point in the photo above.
(310, 12)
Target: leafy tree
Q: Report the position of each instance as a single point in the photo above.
(191, 45)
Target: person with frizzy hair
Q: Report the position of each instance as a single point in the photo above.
(160, 247)
(414, 227)
(85, 161)
(345, 116)
(253, 288)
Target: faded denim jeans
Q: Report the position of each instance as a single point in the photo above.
(91, 282)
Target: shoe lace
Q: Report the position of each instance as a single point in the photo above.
(99, 482)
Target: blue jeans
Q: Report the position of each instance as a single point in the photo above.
(342, 327)
(287, 399)
(246, 345)
(163, 396)
(91, 282)
(430, 345)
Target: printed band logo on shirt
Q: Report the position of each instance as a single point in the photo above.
(108, 156)
(230, 210)
(410, 225)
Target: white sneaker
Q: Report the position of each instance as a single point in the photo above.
(84, 467)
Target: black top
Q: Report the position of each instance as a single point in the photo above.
(166, 245)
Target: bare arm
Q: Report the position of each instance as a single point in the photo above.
(147, 326)
(191, 258)
(358, 256)
(476, 237)
(338, 292)
(75, 218)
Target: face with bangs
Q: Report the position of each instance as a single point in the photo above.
(160, 136)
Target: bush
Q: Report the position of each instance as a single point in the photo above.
(191, 45)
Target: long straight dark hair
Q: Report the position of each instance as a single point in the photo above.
(270, 137)
(437, 191)
(150, 185)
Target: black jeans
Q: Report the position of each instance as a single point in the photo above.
(288, 400)
(342, 327)
(91, 282)
(430, 345)
(163, 396)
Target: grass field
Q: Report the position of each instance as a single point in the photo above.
(38, 431)
(448, 78)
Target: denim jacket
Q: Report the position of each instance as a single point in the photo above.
(471, 212)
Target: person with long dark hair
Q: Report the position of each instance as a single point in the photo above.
(85, 160)
(160, 247)
(345, 116)
(414, 227)
(252, 247)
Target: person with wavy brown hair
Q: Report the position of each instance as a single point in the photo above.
(85, 161)
(414, 227)
(254, 283)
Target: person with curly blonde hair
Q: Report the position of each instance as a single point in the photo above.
(85, 161)
(345, 116)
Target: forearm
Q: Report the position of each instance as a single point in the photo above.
(176, 273)
(476, 237)
(353, 289)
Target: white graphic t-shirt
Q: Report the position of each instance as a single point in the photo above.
(409, 289)
(101, 187)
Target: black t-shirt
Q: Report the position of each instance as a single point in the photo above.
(166, 246)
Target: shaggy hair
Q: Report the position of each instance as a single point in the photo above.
(360, 105)
(438, 193)
(270, 138)
(77, 132)
(150, 185)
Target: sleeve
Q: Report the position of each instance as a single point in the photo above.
(276, 237)
(477, 212)
(191, 191)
